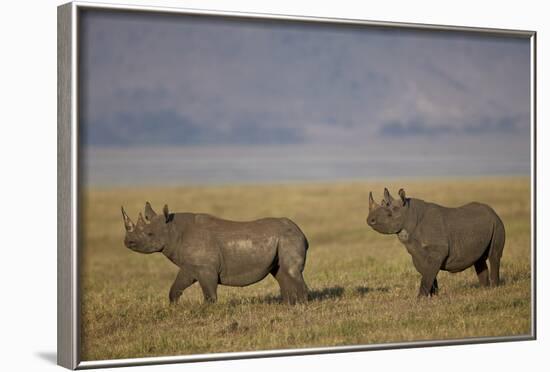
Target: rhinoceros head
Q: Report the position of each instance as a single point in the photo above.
(147, 235)
(389, 216)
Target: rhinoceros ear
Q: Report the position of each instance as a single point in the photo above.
(166, 213)
(387, 197)
(149, 212)
(403, 196)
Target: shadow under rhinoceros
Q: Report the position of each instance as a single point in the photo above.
(503, 282)
(313, 295)
(326, 293)
(362, 290)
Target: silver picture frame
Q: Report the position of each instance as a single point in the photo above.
(68, 234)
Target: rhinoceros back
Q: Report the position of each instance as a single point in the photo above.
(250, 250)
(470, 229)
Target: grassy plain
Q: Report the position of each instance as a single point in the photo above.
(363, 285)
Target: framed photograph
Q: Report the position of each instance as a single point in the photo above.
(239, 185)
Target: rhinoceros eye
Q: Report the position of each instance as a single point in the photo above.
(150, 234)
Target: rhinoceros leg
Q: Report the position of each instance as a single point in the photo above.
(183, 280)
(482, 272)
(298, 288)
(495, 252)
(427, 283)
(293, 287)
(208, 280)
(283, 281)
(429, 270)
(435, 288)
(291, 261)
(495, 268)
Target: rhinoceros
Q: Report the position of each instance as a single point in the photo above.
(215, 251)
(441, 238)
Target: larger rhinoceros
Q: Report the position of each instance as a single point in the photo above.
(214, 251)
(440, 238)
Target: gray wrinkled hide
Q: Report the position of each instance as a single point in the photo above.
(440, 238)
(214, 251)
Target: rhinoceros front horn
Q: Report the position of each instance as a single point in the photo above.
(372, 203)
(128, 224)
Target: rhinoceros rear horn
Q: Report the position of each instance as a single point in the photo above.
(166, 213)
(372, 203)
(128, 224)
(140, 220)
(387, 197)
(149, 212)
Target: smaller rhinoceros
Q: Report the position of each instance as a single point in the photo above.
(440, 238)
(214, 251)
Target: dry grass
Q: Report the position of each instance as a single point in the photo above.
(363, 285)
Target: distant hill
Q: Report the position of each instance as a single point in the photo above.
(170, 128)
(163, 80)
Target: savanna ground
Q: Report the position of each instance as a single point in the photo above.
(362, 284)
